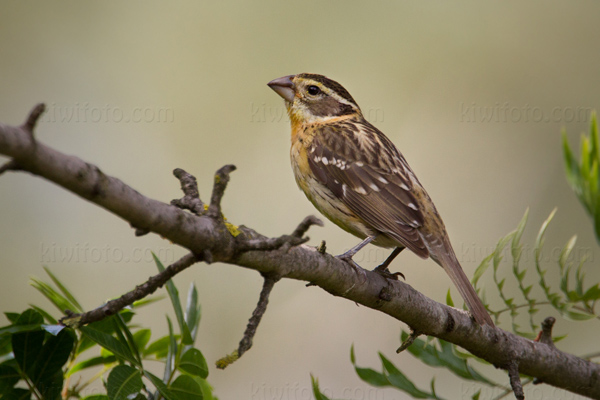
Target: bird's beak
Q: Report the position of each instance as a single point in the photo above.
(284, 87)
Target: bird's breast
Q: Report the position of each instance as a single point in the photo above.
(320, 195)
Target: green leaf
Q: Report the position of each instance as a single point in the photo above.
(566, 252)
(141, 338)
(502, 243)
(5, 345)
(207, 389)
(49, 318)
(539, 242)
(501, 284)
(515, 246)
(593, 293)
(171, 355)
(27, 345)
(12, 329)
(595, 149)
(400, 381)
(123, 381)
(571, 166)
(174, 296)
(576, 316)
(449, 301)
(186, 388)
(192, 311)
(564, 283)
(17, 394)
(584, 176)
(92, 362)
(147, 301)
(372, 377)
(316, 390)
(106, 325)
(126, 338)
(193, 362)
(159, 348)
(444, 357)
(368, 375)
(50, 386)
(432, 385)
(53, 355)
(64, 291)
(480, 270)
(12, 316)
(59, 301)
(162, 388)
(109, 343)
(8, 378)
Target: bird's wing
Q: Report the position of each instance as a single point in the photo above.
(370, 176)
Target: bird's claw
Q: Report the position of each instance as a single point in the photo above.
(389, 275)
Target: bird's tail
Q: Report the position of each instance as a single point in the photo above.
(450, 263)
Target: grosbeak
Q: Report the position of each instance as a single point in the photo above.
(355, 176)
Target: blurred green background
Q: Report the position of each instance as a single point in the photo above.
(474, 94)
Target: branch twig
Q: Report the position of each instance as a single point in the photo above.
(33, 118)
(409, 340)
(257, 314)
(191, 199)
(545, 335)
(114, 306)
(515, 380)
(220, 184)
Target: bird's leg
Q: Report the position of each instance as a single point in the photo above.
(383, 268)
(347, 256)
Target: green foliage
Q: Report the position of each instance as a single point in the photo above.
(583, 176)
(124, 381)
(567, 294)
(39, 358)
(446, 357)
(316, 390)
(391, 376)
(174, 295)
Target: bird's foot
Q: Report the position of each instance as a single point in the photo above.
(385, 272)
(347, 257)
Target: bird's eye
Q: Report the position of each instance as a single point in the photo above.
(313, 90)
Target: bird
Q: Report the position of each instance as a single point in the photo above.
(356, 177)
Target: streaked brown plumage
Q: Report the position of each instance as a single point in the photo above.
(355, 176)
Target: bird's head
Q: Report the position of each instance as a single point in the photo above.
(314, 98)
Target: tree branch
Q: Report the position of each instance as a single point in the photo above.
(515, 380)
(257, 314)
(191, 201)
(209, 235)
(114, 306)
